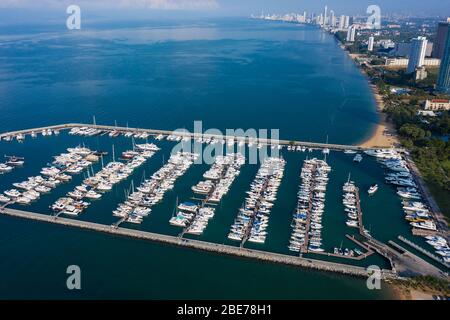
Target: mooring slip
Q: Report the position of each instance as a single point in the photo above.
(201, 245)
(165, 133)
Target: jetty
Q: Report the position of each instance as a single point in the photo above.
(201, 245)
(156, 132)
(422, 250)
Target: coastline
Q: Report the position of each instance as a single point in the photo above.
(402, 292)
(384, 135)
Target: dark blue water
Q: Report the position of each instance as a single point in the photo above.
(227, 73)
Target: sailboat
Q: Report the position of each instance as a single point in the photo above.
(326, 150)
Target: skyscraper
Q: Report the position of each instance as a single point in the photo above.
(346, 22)
(342, 22)
(443, 83)
(325, 16)
(332, 21)
(370, 44)
(351, 34)
(417, 53)
(441, 36)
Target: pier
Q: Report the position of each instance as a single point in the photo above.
(359, 210)
(155, 132)
(422, 250)
(201, 245)
(304, 248)
(409, 264)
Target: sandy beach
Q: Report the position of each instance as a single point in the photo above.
(400, 292)
(384, 135)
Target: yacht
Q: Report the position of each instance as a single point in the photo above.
(15, 161)
(188, 206)
(383, 153)
(428, 225)
(13, 193)
(373, 188)
(5, 168)
(4, 199)
(352, 223)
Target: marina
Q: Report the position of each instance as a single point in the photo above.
(226, 74)
(251, 225)
(150, 192)
(194, 218)
(253, 218)
(74, 162)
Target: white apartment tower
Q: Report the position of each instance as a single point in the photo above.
(347, 22)
(342, 22)
(417, 53)
(332, 19)
(351, 32)
(370, 44)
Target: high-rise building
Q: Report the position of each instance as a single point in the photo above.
(417, 53)
(332, 21)
(443, 83)
(347, 22)
(319, 19)
(370, 44)
(325, 16)
(439, 45)
(351, 32)
(342, 22)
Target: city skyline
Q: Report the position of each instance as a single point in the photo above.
(234, 7)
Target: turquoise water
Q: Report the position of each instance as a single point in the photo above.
(227, 73)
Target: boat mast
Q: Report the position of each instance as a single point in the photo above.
(114, 156)
(174, 209)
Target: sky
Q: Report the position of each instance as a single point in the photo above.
(228, 7)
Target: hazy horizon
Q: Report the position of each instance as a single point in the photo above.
(31, 10)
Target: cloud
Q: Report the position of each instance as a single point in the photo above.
(107, 4)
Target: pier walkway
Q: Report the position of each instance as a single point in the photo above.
(200, 245)
(422, 250)
(156, 132)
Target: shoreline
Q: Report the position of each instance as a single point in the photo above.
(404, 293)
(384, 135)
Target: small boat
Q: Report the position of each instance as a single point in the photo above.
(358, 158)
(15, 161)
(4, 199)
(5, 168)
(373, 188)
